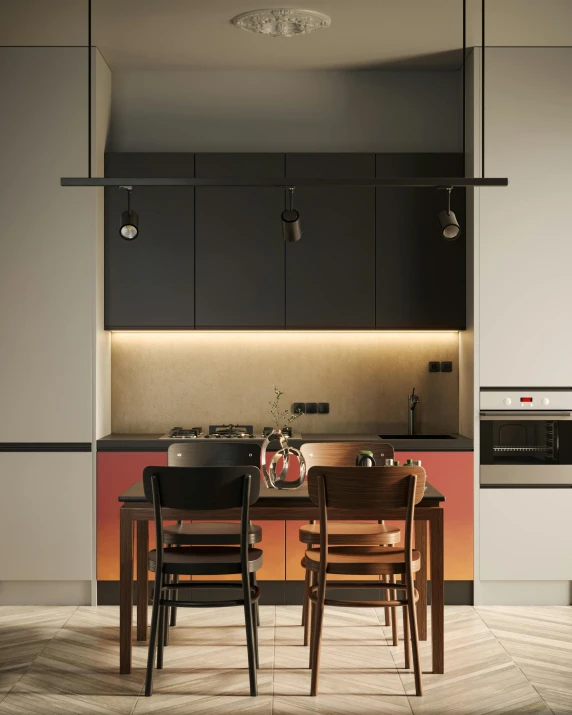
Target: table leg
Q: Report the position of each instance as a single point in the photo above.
(437, 590)
(125, 589)
(142, 579)
(421, 577)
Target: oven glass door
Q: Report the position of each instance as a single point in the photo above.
(509, 440)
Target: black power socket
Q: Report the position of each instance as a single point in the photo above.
(434, 366)
(447, 366)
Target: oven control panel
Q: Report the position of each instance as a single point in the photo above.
(514, 399)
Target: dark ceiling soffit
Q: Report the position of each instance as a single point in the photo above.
(283, 182)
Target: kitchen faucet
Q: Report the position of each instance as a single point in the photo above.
(412, 400)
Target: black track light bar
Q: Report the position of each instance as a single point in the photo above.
(285, 183)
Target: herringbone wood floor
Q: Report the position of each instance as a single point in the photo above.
(498, 660)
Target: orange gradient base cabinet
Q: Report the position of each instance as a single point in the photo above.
(452, 474)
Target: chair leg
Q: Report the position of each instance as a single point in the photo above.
(387, 609)
(394, 615)
(152, 639)
(165, 612)
(249, 623)
(257, 610)
(173, 620)
(406, 639)
(162, 628)
(255, 620)
(317, 636)
(414, 634)
(305, 600)
(309, 613)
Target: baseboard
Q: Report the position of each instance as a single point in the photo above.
(45, 593)
(526, 593)
(289, 593)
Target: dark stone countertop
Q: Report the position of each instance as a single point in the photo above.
(152, 443)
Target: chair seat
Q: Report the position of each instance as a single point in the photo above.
(205, 560)
(353, 560)
(209, 533)
(340, 533)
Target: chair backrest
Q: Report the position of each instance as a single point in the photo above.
(343, 454)
(213, 453)
(368, 489)
(201, 488)
(360, 488)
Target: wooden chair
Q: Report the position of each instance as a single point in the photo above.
(358, 488)
(201, 488)
(343, 454)
(209, 454)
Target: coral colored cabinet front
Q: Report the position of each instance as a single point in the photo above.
(449, 472)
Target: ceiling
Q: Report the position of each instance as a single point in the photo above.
(364, 34)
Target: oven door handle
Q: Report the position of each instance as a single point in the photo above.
(524, 414)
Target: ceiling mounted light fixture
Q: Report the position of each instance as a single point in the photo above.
(129, 227)
(281, 22)
(449, 224)
(291, 226)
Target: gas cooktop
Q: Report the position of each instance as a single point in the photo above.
(230, 431)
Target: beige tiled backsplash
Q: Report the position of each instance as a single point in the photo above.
(189, 379)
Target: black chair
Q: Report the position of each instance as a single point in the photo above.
(202, 488)
(212, 453)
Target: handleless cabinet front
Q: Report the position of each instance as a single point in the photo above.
(525, 249)
(239, 247)
(46, 516)
(525, 534)
(149, 280)
(421, 276)
(330, 272)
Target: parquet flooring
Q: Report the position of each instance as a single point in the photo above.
(498, 660)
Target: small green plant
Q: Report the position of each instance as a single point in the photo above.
(281, 417)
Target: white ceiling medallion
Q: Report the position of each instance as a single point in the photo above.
(281, 22)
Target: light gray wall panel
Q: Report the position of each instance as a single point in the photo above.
(344, 111)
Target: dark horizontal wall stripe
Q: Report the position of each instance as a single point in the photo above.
(45, 446)
(287, 593)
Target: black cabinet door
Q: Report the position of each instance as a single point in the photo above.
(239, 248)
(149, 281)
(421, 277)
(330, 272)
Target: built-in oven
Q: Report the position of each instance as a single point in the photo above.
(526, 437)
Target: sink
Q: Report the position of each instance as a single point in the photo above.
(416, 436)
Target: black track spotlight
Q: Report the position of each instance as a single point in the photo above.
(291, 226)
(129, 228)
(449, 224)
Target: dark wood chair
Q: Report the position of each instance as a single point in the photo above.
(343, 454)
(211, 453)
(201, 488)
(357, 488)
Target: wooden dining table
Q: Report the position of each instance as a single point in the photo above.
(283, 505)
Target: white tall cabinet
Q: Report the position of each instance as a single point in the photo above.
(523, 255)
(49, 302)
(525, 232)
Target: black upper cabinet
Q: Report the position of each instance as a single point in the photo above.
(330, 272)
(239, 275)
(149, 281)
(421, 277)
(214, 257)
